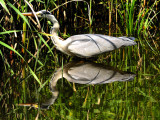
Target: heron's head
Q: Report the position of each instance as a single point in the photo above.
(41, 14)
(44, 14)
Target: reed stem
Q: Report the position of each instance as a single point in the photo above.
(110, 16)
(23, 52)
(90, 9)
(23, 43)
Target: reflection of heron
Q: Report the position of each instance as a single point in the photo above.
(83, 45)
(89, 73)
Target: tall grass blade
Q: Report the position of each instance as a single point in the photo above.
(9, 47)
(45, 44)
(31, 55)
(35, 76)
(4, 6)
(10, 31)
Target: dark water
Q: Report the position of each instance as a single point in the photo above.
(123, 84)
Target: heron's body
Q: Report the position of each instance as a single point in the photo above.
(85, 45)
(88, 45)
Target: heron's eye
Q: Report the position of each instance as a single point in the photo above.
(47, 12)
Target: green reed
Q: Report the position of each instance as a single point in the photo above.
(145, 18)
(3, 4)
(130, 8)
(24, 54)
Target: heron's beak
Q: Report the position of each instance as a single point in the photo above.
(34, 14)
(30, 14)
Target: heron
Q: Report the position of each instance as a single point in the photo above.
(83, 45)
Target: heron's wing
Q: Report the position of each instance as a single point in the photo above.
(91, 44)
(83, 46)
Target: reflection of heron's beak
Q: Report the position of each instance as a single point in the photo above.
(29, 105)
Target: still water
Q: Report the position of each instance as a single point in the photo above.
(123, 84)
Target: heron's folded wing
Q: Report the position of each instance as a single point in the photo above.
(85, 48)
(87, 45)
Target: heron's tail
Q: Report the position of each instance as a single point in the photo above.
(128, 41)
(130, 38)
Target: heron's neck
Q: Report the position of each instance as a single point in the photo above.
(61, 45)
(55, 23)
(54, 30)
(55, 39)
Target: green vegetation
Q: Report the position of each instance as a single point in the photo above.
(28, 60)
